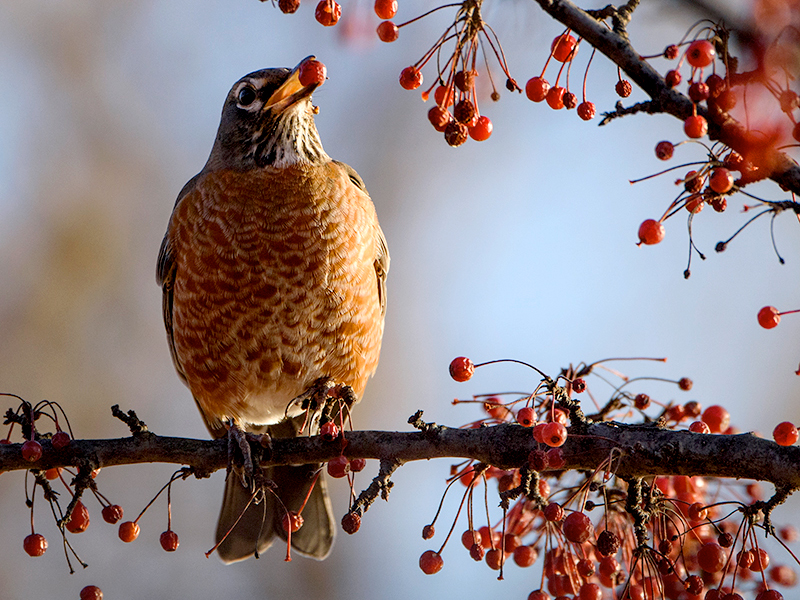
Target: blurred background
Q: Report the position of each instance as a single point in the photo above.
(522, 246)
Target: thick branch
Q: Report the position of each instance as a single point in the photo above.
(616, 46)
(639, 451)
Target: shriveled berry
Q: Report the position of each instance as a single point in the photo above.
(328, 12)
(537, 460)
(769, 317)
(428, 532)
(465, 80)
(91, 592)
(461, 368)
(170, 542)
(553, 512)
(482, 130)
(60, 440)
(35, 544)
(695, 126)
(698, 91)
(386, 9)
(78, 521)
(718, 203)
(651, 232)
(410, 78)
(693, 585)
(578, 385)
(338, 467)
(455, 134)
(785, 434)
(665, 150)
(430, 562)
(587, 111)
(31, 451)
(607, 543)
(555, 459)
(128, 531)
(671, 52)
(716, 85)
(700, 54)
(641, 401)
(536, 89)
(329, 431)
(388, 31)
(464, 112)
(623, 88)
(357, 464)
(288, 6)
(672, 78)
(112, 513)
(477, 552)
(685, 384)
(351, 522)
(555, 97)
(312, 72)
(693, 182)
(570, 100)
(439, 118)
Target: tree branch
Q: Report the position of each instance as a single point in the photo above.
(639, 451)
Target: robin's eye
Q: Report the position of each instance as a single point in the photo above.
(247, 96)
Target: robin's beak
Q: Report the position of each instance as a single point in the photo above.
(291, 91)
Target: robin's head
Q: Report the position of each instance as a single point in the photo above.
(268, 119)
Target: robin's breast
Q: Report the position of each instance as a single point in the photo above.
(275, 287)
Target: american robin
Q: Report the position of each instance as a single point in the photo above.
(273, 271)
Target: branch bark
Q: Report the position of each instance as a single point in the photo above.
(634, 451)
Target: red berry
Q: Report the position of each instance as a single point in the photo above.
(525, 556)
(695, 126)
(288, 6)
(721, 180)
(328, 12)
(785, 434)
(563, 48)
(128, 531)
(555, 97)
(665, 150)
(769, 317)
(430, 562)
(726, 100)
(770, 595)
(672, 78)
(91, 592)
(386, 9)
(169, 540)
(444, 96)
(329, 431)
(555, 460)
(338, 467)
(717, 418)
(351, 523)
(112, 513)
(697, 511)
(79, 519)
(536, 89)
(553, 512)
(651, 232)
(410, 78)
(641, 401)
(699, 91)
(439, 118)
(312, 72)
(538, 595)
(796, 132)
(461, 368)
(31, 450)
(554, 434)
(52, 474)
(357, 464)
(60, 440)
(35, 544)
(711, 557)
(388, 31)
(699, 427)
(481, 131)
(623, 88)
(716, 85)
(291, 520)
(694, 585)
(694, 203)
(494, 558)
(590, 591)
(526, 416)
(587, 111)
(700, 54)
(470, 537)
(577, 527)
(693, 182)
(760, 560)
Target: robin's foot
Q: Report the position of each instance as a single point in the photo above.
(237, 437)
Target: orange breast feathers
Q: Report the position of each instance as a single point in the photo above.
(276, 285)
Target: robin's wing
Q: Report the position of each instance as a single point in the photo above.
(165, 277)
(382, 254)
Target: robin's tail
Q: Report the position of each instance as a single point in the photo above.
(263, 520)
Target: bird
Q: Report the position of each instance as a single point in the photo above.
(273, 274)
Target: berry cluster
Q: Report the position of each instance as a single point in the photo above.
(602, 536)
